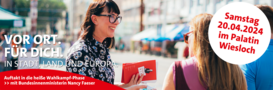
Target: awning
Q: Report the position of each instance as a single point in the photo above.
(144, 34)
(169, 28)
(9, 20)
(177, 34)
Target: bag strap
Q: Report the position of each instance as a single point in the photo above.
(179, 79)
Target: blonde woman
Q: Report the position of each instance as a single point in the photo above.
(204, 71)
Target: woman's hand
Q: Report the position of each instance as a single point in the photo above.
(136, 87)
(134, 81)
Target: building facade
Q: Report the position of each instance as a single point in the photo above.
(7, 4)
(182, 11)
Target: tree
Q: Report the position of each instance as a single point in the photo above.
(49, 11)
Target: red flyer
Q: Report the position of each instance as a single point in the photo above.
(147, 68)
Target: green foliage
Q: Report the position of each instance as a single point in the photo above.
(22, 6)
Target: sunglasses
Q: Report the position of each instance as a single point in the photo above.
(113, 18)
(186, 37)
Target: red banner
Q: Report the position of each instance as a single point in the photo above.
(42, 79)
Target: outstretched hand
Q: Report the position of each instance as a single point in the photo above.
(136, 87)
(134, 81)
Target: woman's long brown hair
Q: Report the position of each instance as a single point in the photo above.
(96, 8)
(213, 71)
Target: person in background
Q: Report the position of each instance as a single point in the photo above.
(259, 74)
(121, 45)
(186, 52)
(14, 59)
(3, 45)
(204, 71)
(31, 42)
(1, 38)
(63, 45)
(140, 46)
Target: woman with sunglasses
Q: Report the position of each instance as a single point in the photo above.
(89, 56)
(204, 70)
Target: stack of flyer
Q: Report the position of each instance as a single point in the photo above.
(147, 68)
